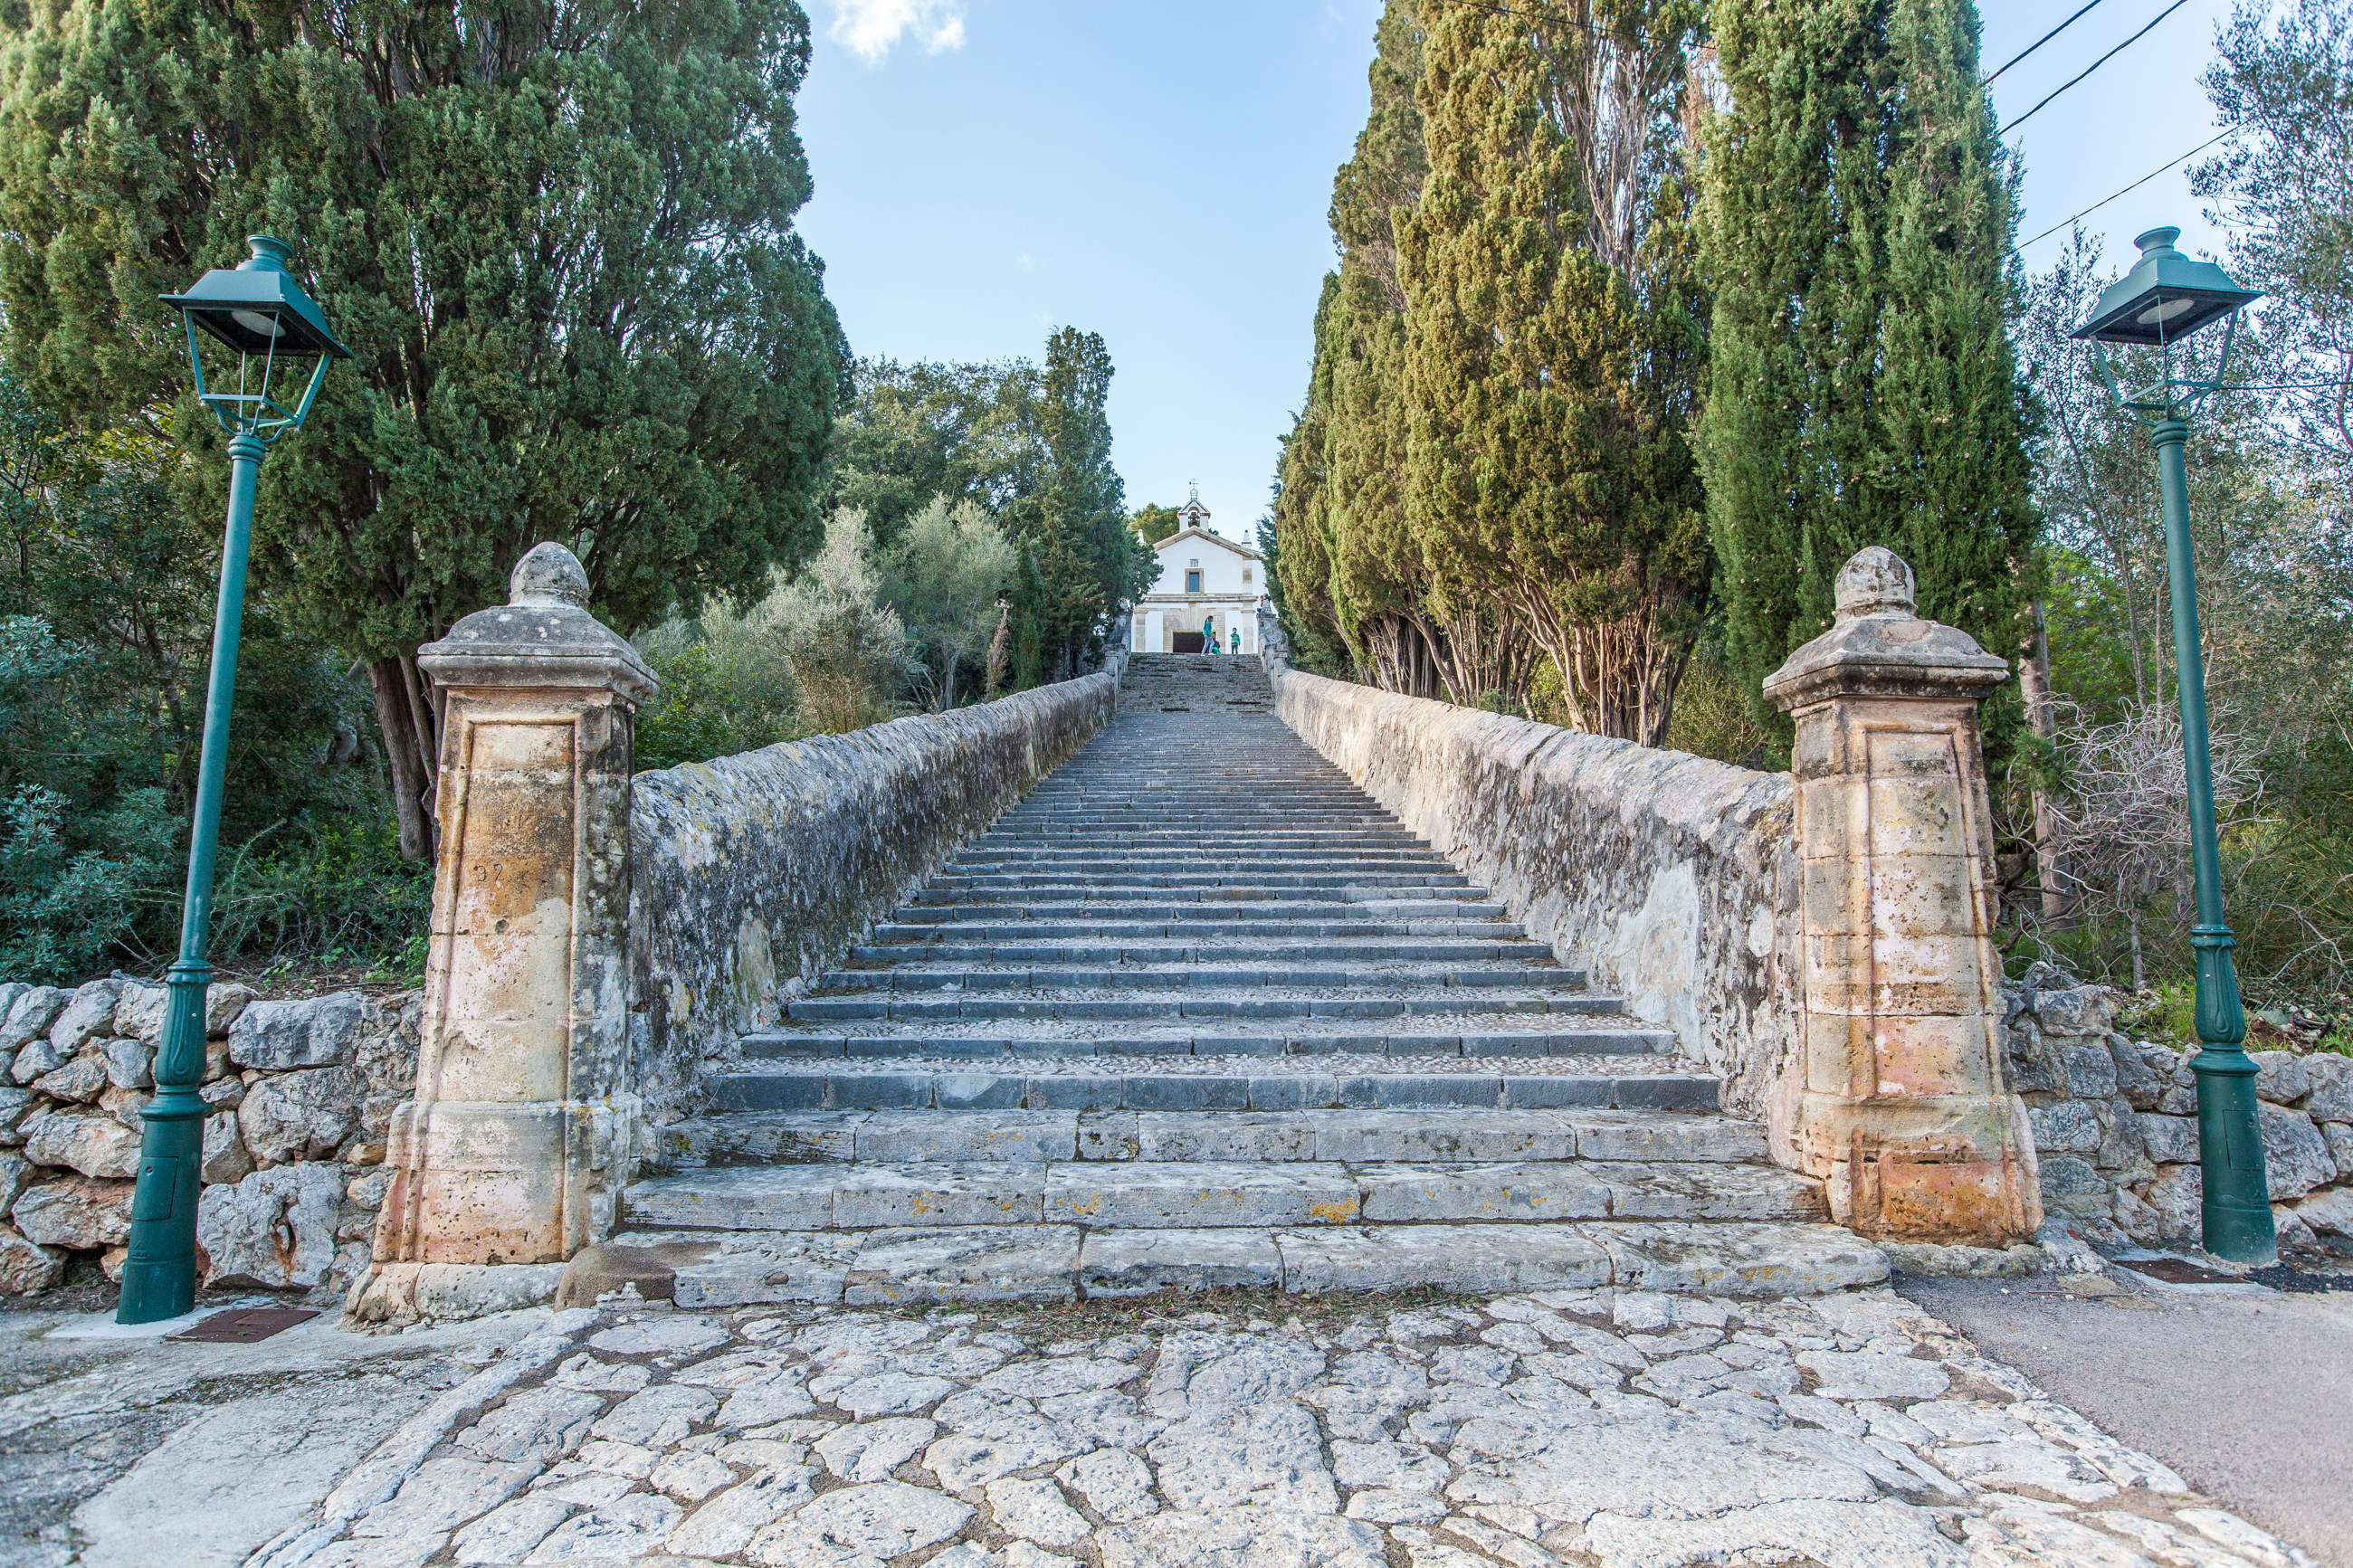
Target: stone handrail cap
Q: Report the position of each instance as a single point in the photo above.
(1879, 647)
(545, 637)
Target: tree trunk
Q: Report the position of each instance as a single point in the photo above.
(2035, 682)
(411, 749)
(1000, 657)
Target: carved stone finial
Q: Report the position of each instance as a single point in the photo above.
(1876, 583)
(550, 575)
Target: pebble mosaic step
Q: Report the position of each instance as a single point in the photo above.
(1198, 1013)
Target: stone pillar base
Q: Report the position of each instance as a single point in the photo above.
(1947, 1171)
(399, 1293)
(498, 1184)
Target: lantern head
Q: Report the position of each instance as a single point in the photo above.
(2165, 298)
(258, 308)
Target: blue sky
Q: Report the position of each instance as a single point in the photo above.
(1157, 171)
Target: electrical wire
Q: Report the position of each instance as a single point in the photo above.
(2095, 65)
(2103, 201)
(2040, 41)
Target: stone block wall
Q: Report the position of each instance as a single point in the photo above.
(303, 1092)
(2116, 1125)
(751, 873)
(1670, 879)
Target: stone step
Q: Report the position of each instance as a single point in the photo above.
(937, 950)
(1184, 838)
(1164, 1194)
(1411, 977)
(1211, 1084)
(1130, 913)
(1079, 891)
(1450, 1033)
(914, 1266)
(1180, 857)
(888, 932)
(950, 882)
(826, 1136)
(1137, 1007)
(1151, 823)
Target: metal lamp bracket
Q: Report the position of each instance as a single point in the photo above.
(2170, 396)
(255, 413)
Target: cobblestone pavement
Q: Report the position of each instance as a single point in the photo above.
(1605, 1429)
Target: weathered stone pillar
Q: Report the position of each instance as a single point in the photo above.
(1903, 1108)
(513, 1154)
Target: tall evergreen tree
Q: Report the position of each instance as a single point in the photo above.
(1072, 523)
(1299, 570)
(1379, 581)
(1539, 476)
(1856, 229)
(557, 236)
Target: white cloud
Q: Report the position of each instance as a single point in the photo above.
(870, 28)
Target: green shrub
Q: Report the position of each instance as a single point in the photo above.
(62, 909)
(334, 894)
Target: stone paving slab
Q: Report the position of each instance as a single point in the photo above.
(1120, 1263)
(785, 1136)
(1242, 1190)
(1217, 1081)
(1544, 1427)
(1049, 1261)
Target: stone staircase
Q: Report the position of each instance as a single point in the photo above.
(1199, 1014)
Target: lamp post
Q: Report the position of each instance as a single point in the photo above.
(2165, 298)
(257, 308)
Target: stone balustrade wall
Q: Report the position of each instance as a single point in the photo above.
(301, 1093)
(1671, 879)
(753, 873)
(2116, 1125)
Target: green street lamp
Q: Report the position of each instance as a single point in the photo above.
(257, 308)
(2165, 298)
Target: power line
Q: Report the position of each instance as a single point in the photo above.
(2095, 65)
(2103, 201)
(2040, 41)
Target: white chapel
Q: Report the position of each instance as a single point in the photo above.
(1209, 588)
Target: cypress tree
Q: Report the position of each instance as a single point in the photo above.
(1518, 353)
(558, 239)
(1856, 229)
(1072, 523)
(1301, 568)
(1378, 573)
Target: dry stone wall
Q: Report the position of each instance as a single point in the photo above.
(301, 1093)
(2116, 1125)
(751, 873)
(1670, 879)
